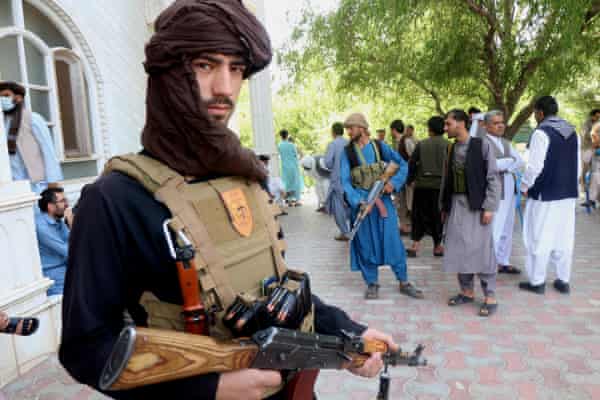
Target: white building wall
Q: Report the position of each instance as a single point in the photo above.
(116, 32)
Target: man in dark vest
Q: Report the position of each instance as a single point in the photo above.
(550, 182)
(378, 241)
(403, 199)
(470, 195)
(425, 168)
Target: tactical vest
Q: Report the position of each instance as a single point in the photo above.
(473, 173)
(432, 157)
(232, 227)
(364, 175)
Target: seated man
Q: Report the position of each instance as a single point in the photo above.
(274, 183)
(53, 236)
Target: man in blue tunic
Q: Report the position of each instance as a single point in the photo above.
(290, 170)
(30, 147)
(377, 242)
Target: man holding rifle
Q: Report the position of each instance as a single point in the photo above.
(377, 241)
(193, 179)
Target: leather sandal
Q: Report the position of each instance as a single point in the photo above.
(372, 292)
(460, 299)
(21, 326)
(488, 309)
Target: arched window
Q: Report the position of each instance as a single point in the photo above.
(37, 55)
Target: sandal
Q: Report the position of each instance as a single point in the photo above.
(21, 326)
(372, 292)
(411, 290)
(487, 309)
(460, 299)
(411, 253)
(508, 269)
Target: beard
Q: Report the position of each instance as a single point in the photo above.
(220, 101)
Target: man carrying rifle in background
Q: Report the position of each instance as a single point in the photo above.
(377, 241)
(193, 179)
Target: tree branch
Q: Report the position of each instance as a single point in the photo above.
(520, 119)
(478, 9)
(434, 95)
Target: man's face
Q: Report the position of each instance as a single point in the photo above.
(220, 79)
(17, 98)
(596, 117)
(496, 126)
(381, 135)
(354, 132)
(452, 126)
(57, 208)
(409, 131)
(538, 115)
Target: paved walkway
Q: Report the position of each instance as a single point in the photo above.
(535, 347)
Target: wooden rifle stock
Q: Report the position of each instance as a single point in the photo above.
(159, 356)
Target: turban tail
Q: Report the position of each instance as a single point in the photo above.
(179, 130)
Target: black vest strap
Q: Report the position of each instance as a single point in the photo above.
(353, 157)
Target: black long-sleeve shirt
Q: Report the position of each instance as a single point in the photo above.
(117, 252)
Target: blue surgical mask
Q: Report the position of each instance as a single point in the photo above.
(7, 103)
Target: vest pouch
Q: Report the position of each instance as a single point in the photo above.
(460, 180)
(162, 315)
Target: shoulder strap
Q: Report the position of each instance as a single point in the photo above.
(167, 186)
(352, 156)
(378, 150)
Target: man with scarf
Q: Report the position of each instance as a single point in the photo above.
(201, 52)
(30, 148)
(550, 183)
(377, 241)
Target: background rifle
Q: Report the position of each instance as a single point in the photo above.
(374, 194)
(144, 356)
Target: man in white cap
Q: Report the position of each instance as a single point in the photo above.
(377, 242)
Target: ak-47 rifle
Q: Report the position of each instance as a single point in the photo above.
(145, 356)
(374, 194)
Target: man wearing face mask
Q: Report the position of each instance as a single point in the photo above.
(32, 155)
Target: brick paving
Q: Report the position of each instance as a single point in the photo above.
(535, 347)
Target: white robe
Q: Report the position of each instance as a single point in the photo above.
(504, 220)
(549, 226)
(321, 183)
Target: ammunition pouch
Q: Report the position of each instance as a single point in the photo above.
(287, 304)
(365, 176)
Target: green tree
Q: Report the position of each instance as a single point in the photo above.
(492, 53)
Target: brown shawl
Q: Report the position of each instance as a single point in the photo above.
(179, 130)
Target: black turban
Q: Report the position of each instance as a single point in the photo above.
(179, 130)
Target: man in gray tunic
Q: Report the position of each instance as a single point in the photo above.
(470, 195)
(335, 204)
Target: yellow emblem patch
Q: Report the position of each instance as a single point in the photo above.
(239, 211)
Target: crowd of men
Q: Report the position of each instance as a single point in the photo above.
(121, 267)
(464, 194)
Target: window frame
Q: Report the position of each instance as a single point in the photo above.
(94, 141)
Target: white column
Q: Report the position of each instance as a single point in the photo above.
(22, 285)
(261, 107)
